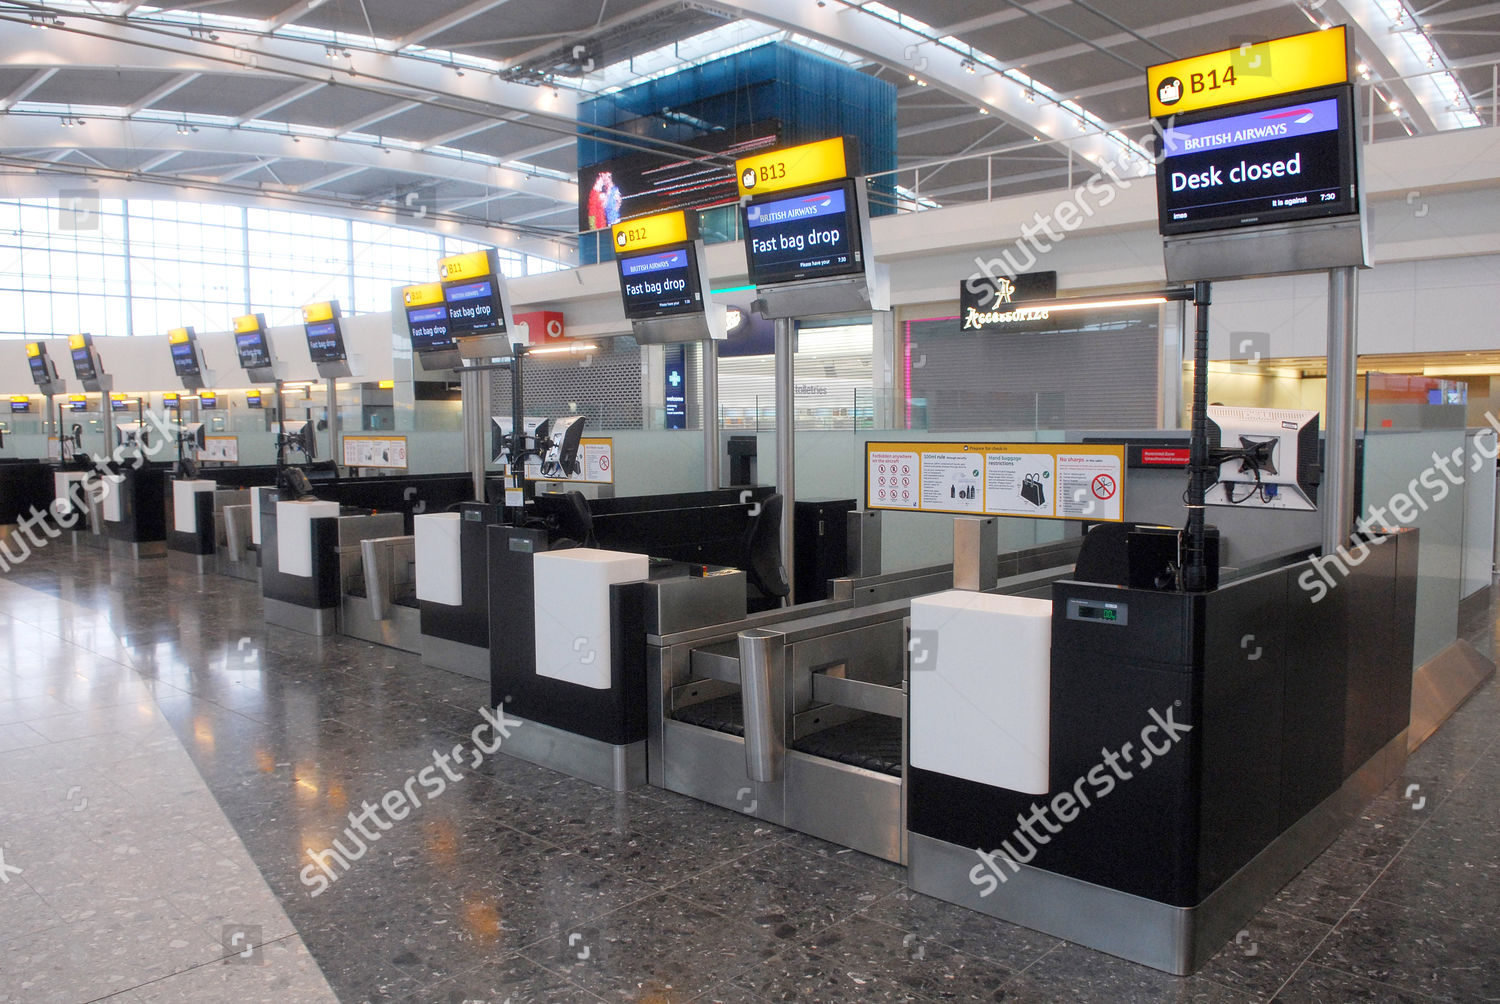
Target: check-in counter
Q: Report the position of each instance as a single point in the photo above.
(452, 588)
(306, 547)
(25, 486)
(134, 510)
(1194, 751)
(570, 653)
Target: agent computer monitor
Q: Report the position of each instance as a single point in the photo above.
(564, 436)
(300, 436)
(1267, 458)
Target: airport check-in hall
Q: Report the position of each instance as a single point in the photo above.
(658, 501)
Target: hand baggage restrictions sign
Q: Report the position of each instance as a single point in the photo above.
(1038, 480)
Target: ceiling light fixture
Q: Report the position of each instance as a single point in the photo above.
(967, 65)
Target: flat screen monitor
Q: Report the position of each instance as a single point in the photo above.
(1269, 161)
(84, 366)
(78, 404)
(429, 327)
(473, 308)
(325, 337)
(251, 342)
(20, 404)
(186, 361)
(169, 402)
(208, 400)
(1267, 458)
(807, 233)
(120, 404)
(41, 370)
(299, 436)
(252, 399)
(661, 283)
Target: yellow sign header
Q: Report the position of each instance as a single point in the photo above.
(423, 295)
(18, 398)
(465, 266)
(1253, 70)
(33, 349)
(178, 335)
(651, 231)
(169, 396)
(77, 341)
(792, 167)
(315, 312)
(246, 324)
(78, 397)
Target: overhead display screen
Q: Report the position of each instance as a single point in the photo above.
(251, 344)
(429, 327)
(808, 234)
(184, 352)
(325, 342)
(1264, 162)
(40, 372)
(473, 309)
(660, 284)
(20, 404)
(83, 363)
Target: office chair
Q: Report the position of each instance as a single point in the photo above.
(763, 567)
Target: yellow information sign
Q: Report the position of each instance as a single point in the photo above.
(1036, 480)
(77, 341)
(245, 324)
(178, 335)
(792, 167)
(651, 231)
(1250, 71)
(33, 349)
(465, 266)
(422, 295)
(315, 312)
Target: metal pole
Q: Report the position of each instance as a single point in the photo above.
(333, 422)
(710, 409)
(1336, 497)
(474, 395)
(785, 459)
(1200, 472)
(280, 426)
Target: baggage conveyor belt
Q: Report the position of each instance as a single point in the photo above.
(871, 742)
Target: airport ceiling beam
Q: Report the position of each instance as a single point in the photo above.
(41, 132)
(131, 45)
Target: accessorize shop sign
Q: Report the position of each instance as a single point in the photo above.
(998, 304)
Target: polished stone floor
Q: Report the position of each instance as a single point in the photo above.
(144, 879)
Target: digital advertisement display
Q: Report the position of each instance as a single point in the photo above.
(640, 184)
(1274, 162)
(429, 327)
(325, 343)
(473, 309)
(660, 284)
(810, 234)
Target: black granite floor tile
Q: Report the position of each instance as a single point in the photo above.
(1078, 974)
(1415, 951)
(968, 931)
(1319, 985)
(515, 978)
(1327, 888)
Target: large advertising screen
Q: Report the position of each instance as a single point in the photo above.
(808, 233)
(639, 184)
(1269, 161)
(660, 284)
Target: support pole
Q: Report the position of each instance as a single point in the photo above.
(710, 409)
(785, 457)
(1200, 472)
(280, 427)
(474, 389)
(1336, 496)
(333, 422)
